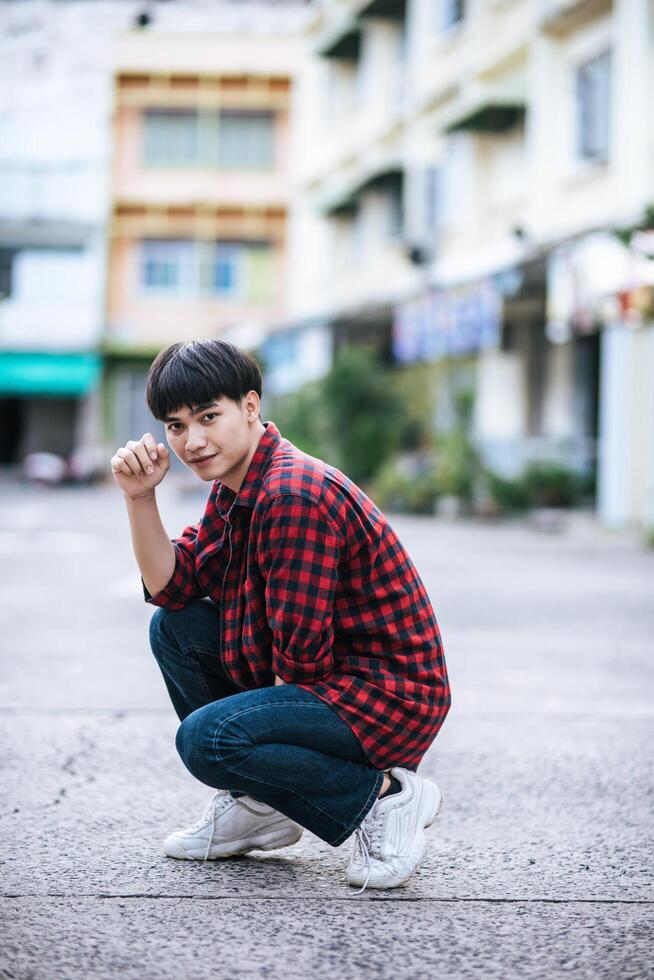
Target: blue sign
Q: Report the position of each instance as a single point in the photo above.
(448, 323)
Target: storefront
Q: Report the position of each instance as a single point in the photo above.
(601, 298)
(45, 399)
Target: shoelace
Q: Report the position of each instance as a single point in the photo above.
(367, 843)
(220, 801)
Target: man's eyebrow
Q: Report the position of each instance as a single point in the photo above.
(194, 411)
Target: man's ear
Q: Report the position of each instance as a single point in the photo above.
(253, 406)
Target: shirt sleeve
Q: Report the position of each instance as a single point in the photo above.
(298, 554)
(183, 585)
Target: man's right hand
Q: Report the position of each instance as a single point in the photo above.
(138, 467)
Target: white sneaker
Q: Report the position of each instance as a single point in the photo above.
(232, 826)
(390, 843)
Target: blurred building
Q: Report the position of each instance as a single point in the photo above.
(201, 190)
(54, 147)
(99, 270)
(464, 167)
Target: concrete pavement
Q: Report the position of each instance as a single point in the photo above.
(539, 865)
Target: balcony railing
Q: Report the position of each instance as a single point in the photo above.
(560, 17)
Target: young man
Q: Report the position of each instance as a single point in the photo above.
(294, 635)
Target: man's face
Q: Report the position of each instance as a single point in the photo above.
(215, 439)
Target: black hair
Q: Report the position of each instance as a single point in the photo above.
(199, 371)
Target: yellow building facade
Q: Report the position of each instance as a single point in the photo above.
(200, 198)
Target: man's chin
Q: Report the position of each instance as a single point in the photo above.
(206, 476)
(207, 473)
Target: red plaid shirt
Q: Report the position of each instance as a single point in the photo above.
(314, 586)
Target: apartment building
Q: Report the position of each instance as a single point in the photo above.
(54, 148)
(201, 188)
(464, 167)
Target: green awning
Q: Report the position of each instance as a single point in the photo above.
(344, 43)
(48, 374)
(491, 116)
(391, 9)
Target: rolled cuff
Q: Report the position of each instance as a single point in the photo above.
(302, 672)
(181, 589)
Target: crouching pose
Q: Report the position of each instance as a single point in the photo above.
(295, 637)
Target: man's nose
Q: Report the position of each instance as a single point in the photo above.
(195, 439)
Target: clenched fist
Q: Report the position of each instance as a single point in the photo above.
(139, 467)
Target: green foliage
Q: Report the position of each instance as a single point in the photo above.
(353, 417)
(458, 462)
(301, 418)
(551, 485)
(395, 489)
(540, 485)
(362, 415)
(510, 496)
(415, 386)
(364, 411)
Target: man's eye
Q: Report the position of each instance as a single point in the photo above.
(211, 415)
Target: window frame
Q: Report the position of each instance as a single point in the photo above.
(203, 257)
(587, 102)
(241, 162)
(181, 290)
(164, 161)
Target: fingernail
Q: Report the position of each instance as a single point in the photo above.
(154, 455)
(149, 469)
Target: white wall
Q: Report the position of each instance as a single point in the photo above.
(500, 405)
(56, 300)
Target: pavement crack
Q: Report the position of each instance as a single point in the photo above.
(74, 764)
(89, 743)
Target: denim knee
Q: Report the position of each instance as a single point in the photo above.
(189, 740)
(202, 738)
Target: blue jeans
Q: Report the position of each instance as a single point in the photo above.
(281, 745)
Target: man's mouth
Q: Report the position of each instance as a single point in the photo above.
(202, 459)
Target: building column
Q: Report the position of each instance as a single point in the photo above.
(631, 90)
(625, 466)
(614, 443)
(648, 515)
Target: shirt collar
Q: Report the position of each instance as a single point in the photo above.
(249, 490)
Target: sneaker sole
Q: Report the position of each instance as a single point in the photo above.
(431, 807)
(264, 842)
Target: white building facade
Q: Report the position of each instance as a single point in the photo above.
(464, 168)
(54, 149)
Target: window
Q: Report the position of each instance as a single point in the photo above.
(593, 81)
(246, 139)
(188, 138)
(452, 12)
(243, 270)
(169, 265)
(231, 270)
(171, 137)
(225, 269)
